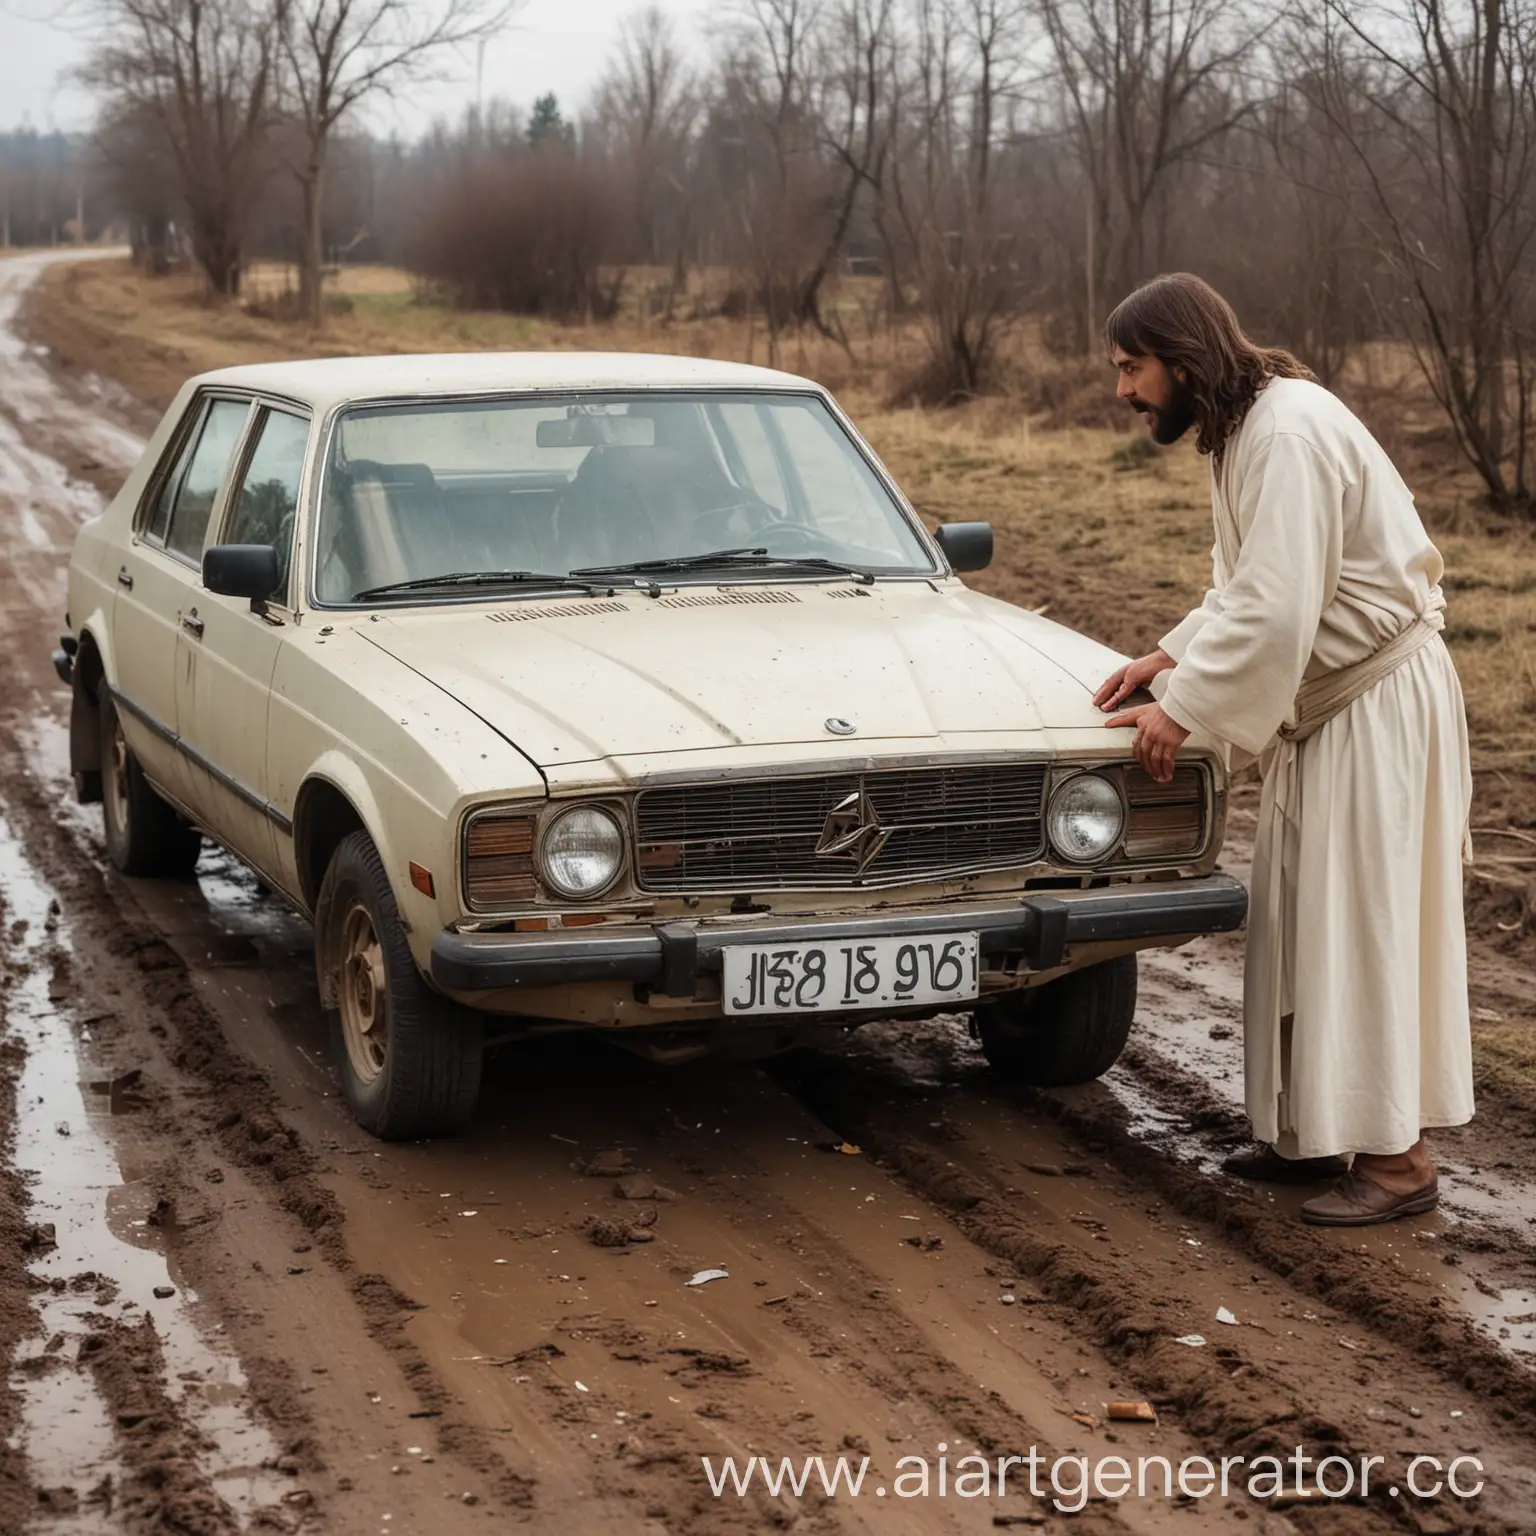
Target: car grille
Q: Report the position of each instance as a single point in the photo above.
(904, 825)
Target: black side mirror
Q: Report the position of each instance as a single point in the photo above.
(242, 570)
(967, 546)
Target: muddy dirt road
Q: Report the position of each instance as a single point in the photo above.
(225, 1308)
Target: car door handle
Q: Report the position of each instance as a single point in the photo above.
(192, 624)
(125, 577)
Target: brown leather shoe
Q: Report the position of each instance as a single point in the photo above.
(1356, 1201)
(1266, 1166)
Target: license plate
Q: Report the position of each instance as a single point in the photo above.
(856, 973)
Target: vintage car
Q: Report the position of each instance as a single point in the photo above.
(619, 693)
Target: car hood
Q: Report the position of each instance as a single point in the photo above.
(577, 680)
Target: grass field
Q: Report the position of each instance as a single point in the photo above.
(1103, 535)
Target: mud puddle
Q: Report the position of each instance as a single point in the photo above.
(100, 1230)
(1474, 1252)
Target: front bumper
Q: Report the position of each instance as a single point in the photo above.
(670, 957)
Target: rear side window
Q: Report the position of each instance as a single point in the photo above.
(165, 497)
(196, 488)
(268, 499)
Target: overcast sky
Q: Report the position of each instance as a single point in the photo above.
(552, 45)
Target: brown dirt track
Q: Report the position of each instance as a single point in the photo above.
(432, 1334)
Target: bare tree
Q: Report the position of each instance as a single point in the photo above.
(856, 83)
(1314, 263)
(1148, 86)
(339, 53)
(134, 170)
(1436, 99)
(647, 107)
(765, 144)
(960, 68)
(201, 72)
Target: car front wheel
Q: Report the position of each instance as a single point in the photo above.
(144, 835)
(409, 1058)
(1071, 1030)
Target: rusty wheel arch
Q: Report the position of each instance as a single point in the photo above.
(85, 720)
(323, 816)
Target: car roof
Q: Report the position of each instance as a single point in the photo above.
(330, 381)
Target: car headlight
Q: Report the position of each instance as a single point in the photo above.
(582, 851)
(1086, 818)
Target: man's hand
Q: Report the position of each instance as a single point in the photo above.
(1130, 677)
(1158, 738)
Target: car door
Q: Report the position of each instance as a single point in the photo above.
(158, 581)
(229, 646)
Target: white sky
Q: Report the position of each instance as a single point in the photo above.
(551, 45)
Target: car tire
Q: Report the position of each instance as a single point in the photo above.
(145, 836)
(409, 1058)
(1071, 1030)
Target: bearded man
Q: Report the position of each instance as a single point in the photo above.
(1317, 650)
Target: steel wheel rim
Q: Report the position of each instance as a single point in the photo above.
(115, 780)
(364, 994)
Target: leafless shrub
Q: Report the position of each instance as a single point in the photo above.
(523, 230)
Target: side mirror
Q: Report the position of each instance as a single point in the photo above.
(242, 570)
(967, 546)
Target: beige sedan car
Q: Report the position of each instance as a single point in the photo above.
(618, 693)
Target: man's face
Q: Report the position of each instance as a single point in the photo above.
(1150, 388)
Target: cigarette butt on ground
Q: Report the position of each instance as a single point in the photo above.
(1144, 1412)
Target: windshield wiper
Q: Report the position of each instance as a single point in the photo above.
(756, 559)
(476, 579)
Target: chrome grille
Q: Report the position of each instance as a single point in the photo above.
(748, 835)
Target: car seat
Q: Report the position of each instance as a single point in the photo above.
(390, 525)
(625, 504)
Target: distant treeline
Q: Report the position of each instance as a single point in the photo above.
(43, 179)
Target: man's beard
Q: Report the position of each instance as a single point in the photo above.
(1169, 422)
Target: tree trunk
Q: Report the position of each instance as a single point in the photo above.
(312, 267)
(216, 249)
(1090, 273)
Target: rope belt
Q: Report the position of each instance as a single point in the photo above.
(1331, 694)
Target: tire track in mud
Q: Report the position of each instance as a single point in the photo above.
(163, 1488)
(1440, 1333)
(1134, 1303)
(16, 1317)
(103, 1423)
(135, 974)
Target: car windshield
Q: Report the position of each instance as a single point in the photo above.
(574, 483)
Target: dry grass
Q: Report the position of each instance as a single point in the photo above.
(268, 279)
(1110, 539)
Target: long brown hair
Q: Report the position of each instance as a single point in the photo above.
(1181, 320)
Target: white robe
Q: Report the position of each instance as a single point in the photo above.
(1356, 937)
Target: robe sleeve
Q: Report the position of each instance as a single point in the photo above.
(1176, 642)
(1239, 674)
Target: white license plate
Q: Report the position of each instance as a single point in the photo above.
(852, 973)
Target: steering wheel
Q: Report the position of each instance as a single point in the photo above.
(715, 522)
(763, 520)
